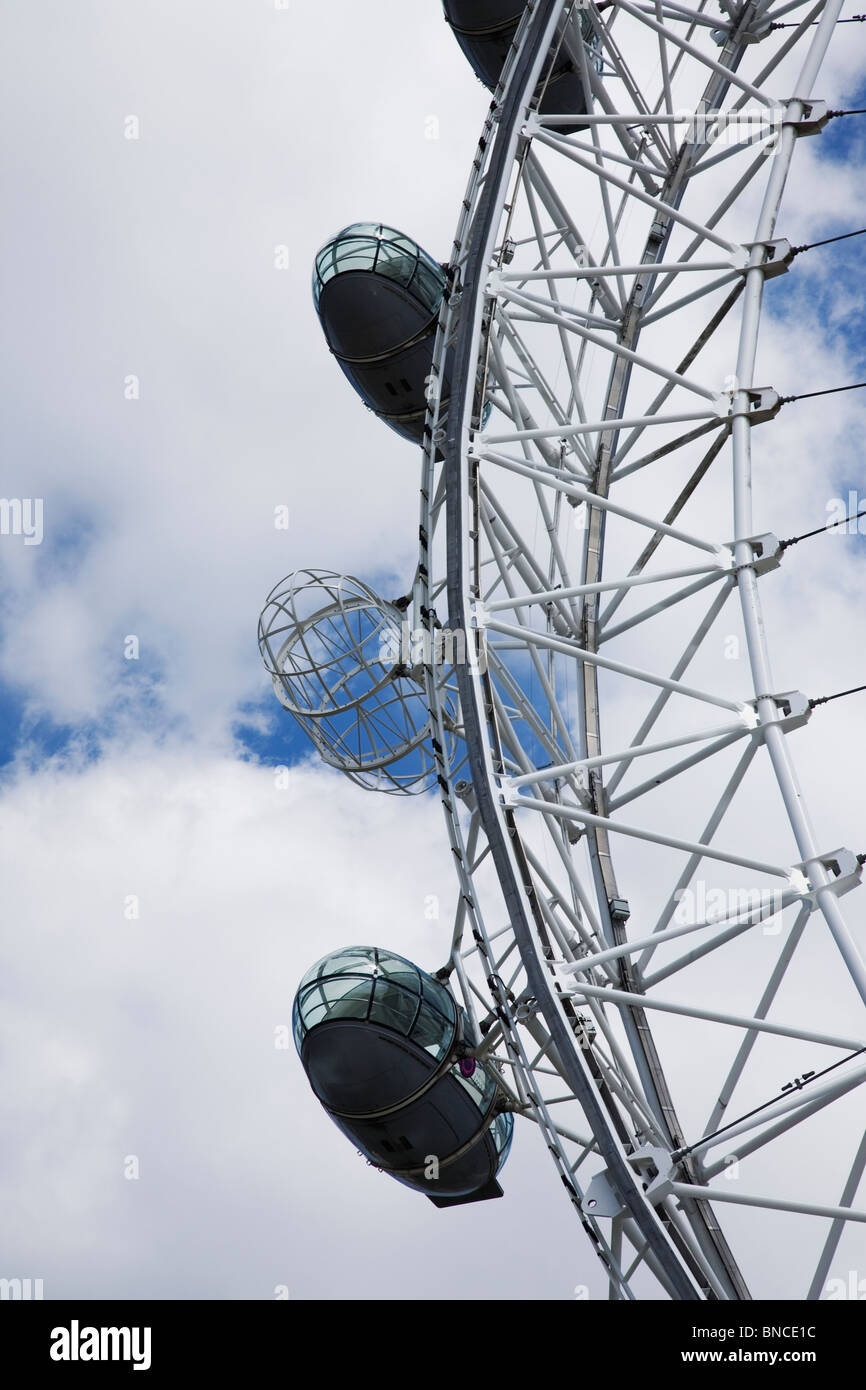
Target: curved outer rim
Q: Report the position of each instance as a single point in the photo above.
(461, 847)
(521, 76)
(634, 1020)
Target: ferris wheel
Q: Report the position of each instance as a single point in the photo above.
(649, 961)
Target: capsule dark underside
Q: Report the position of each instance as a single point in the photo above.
(382, 334)
(485, 29)
(357, 1066)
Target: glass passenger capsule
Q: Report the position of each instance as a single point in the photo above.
(377, 294)
(485, 29)
(381, 1044)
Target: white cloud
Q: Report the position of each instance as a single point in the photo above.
(154, 1037)
(155, 257)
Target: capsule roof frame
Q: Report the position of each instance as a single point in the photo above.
(364, 710)
(377, 249)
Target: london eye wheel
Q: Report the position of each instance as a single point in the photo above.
(649, 959)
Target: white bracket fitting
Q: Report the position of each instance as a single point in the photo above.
(794, 706)
(766, 552)
(761, 405)
(814, 118)
(842, 865)
(600, 1198)
(777, 257)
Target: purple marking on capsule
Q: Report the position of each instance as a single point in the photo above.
(467, 1066)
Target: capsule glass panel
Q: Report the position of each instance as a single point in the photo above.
(365, 982)
(373, 247)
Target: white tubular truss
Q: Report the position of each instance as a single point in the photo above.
(600, 332)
